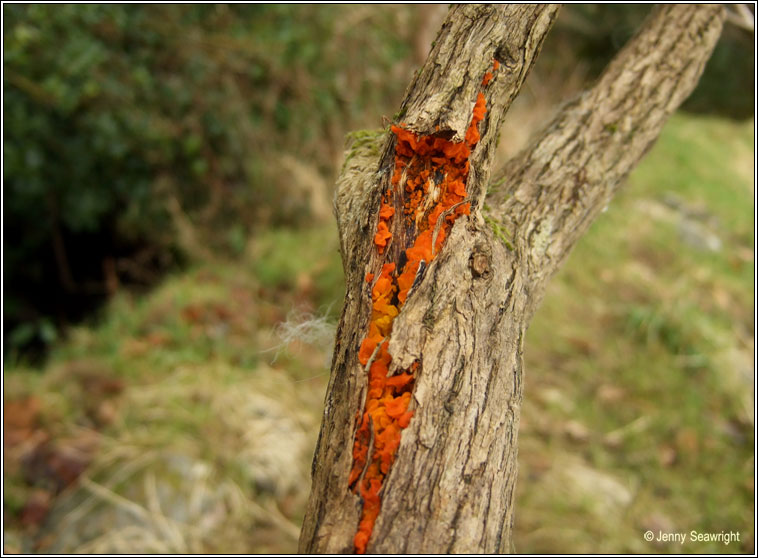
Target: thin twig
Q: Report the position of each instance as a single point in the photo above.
(742, 18)
(373, 356)
(115, 499)
(368, 453)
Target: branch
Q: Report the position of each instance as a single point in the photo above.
(553, 190)
(740, 16)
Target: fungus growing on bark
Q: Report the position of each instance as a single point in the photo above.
(429, 178)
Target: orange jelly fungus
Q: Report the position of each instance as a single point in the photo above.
(488, 76)
(430, 178)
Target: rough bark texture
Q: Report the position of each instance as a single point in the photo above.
(451, 486)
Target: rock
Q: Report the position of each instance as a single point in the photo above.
(697, 227)
(699, 236)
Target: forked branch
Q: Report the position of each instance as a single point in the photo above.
(554, 189)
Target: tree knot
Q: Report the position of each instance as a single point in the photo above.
(480, 264)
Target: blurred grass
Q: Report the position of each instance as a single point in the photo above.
(639, 362)
(210, 385)
(639, 374)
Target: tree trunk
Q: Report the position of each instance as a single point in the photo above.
(459, 334)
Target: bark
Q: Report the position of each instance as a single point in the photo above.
(452, 484)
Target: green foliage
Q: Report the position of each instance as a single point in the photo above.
(127, 123)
